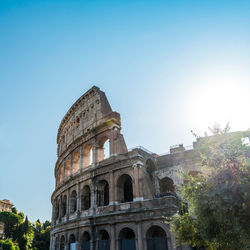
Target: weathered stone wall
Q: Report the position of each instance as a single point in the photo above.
(106, 200)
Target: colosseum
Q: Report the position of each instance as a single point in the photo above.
(106, 196)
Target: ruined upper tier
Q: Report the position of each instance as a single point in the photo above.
(90, 115)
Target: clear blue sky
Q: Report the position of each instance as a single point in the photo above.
(166, 66)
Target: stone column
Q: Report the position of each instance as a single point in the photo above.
(112, 188)
(137, 191)
(78, 200)
(94, 154)
(93, 192)
(71, 165)
(139, 236)
(112, 238)
(64, 166)
(68, 204)
(81, 158)
(78, 242)
(51, 246)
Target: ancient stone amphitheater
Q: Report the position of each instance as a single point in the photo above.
(106, 196)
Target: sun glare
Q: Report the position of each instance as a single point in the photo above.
(220, 102)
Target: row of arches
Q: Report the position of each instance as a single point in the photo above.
(156, 239)
(101, 196)
(88, 156)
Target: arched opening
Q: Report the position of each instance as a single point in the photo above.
(72, 242)
(64, 205)
(127, 239)
(76, 162)
(150, 168)
(67, 169)
(86, 241)
(104, 149)
(73, 202)
(156, 239)
(62, 243)
(86, 198)
(87, 155)
(167, 186)
(104, 240)
(124, 188)
(102, 193)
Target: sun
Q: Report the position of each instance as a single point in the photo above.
(220, 101)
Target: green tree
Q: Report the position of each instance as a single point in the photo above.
(11, 222)
(41, 235)
(8, 245)
(218, 198)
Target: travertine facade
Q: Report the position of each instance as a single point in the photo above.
(107, 197)
(5, 205)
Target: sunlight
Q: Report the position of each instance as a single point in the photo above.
(220, 100)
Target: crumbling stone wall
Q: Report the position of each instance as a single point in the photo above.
(106, 202)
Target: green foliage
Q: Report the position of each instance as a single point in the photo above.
(8, 245)
(11, 222)
(24, 235)
(218, 198)
(41, 235)
(14, 210)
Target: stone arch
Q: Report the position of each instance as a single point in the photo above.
(103, 240)
(87, 155)
(102, 193)
(167, 186)
(72, 242)
(76, 162)
(73, 202)
(62, 243)
(127, 239)
(103, 148)
(86, 198)
(86, 239)
(67, 168)
(156, 238)
(124, 188)
(64, 205)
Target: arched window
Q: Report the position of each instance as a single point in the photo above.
(124, 188)
(87, 155)
(73, 202)
(76, 162)
(102, 193)
(167, 186)
(156, 239)
(62, 243)
(67, 169)
(127, 239)
(86, 198)
(64, 205)
(72, 242)
(104, 240)
(104, 149)
(86, 241)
